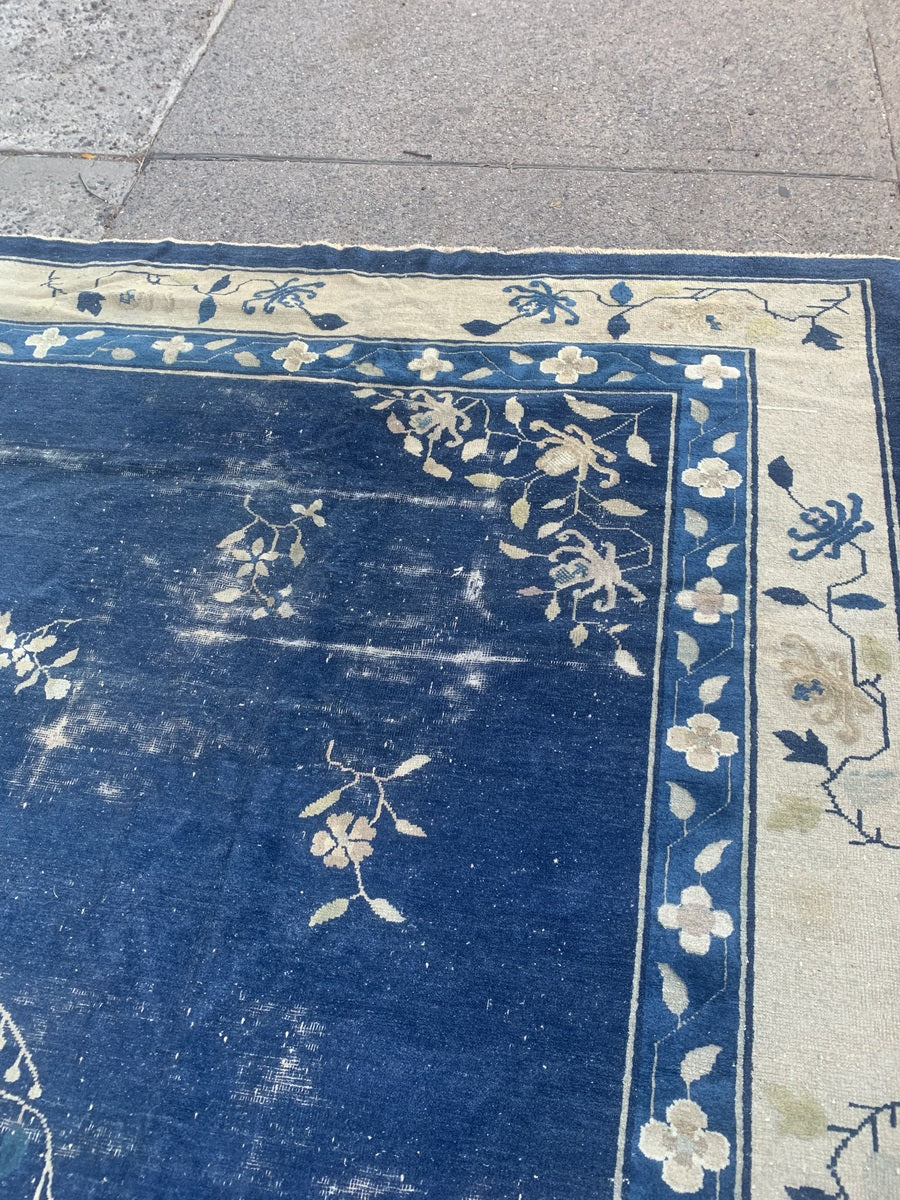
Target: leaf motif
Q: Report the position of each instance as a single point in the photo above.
(228, 595)
(322, 804)
(794, 813)
(802, 1116)
(726, 442)
(513, 411)
(64, 659)
(804, 749)
(617, 326)
(246, 358)
(681, 802)
(559, 502)
(674, 990)
(478, 373)
(328, 912)
(370, 369)
(207, 310)
(394, 424)
(473, 448)
(386, 910)
(786, 595)
(578, 634)
(520, 512)
(710, 857)
(622, 508)
(621, 292)
(621, 377)
(809, 1193)
(699, 411)
(695, 523)
(711, 689)
(491, 482)
(639, 449)
(857, 600)
(431, 467)
(340, 351)
(408, 828)
(517, 356)
(220, 343)
(688, 650)
(409, 765)
(365, 392)
(663, 359)
(514, 551)
(297, 551)
(510, 456)
(29, 682)
(57, 689)
(412, 445)
(258, 546)
(780, 473)
(874, 655)
(221, 283)
(593, 412)
(718, 557)
(699, 1062)
(481, 328)
(552, 611)
(6, 348)
(626, 662)
(549, 527)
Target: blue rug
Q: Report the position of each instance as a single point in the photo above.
(450, 723)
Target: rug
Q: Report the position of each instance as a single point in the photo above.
(450, 723)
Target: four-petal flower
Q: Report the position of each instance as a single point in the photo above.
(696, 920)
(429, 363)
(702, 741)
(711, 371)
(712, 476)
(684, 1146)
(707, 601)
(294, 355)
(569, 364)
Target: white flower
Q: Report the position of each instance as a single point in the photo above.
(702, 742)
(711, 370)
(696, 920)
(45, 341)
(712, 476)
(569, 364)
(684, 1146)
(293, 356)
(429, 363)
(708, 601)
(172, 347)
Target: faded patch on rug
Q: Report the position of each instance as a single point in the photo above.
(450, 724)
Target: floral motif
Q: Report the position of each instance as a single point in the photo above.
(434, 417)
(20, 1091)
(45, 341)
(829, 532)
(712, 476)
(294, 355)
(702, 742)
(696, 920)
(821, 682)
(707, 601)
(347, 840)
(22, 652)
(711, 370)
(429, 363)
(573, 451)
(569, 364)
(172, 347)
(343, 843)
(257, 557)
(685, 1146)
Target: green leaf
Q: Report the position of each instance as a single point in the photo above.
(386, 910)
(874, 654)
(802, 1116)
(794, 812)
(322, 804)
(409, 829)
(328, 912)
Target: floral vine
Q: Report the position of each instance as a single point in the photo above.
(23, 651)
(20, 1089)
(347, 839)
(257, 555)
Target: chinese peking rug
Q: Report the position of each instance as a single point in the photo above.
(450, 725)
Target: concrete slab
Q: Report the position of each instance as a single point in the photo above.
(656, 83)
(883, 18)
(293, 202)
(96, 75)
(61, 197)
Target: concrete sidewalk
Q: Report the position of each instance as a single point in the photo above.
(713, 125)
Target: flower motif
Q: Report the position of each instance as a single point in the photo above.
(708, 601)
(696, 920)
(343, 844)
(433, 416)
(172, 347)
(46, 341)
(702, 741)
(569, 364)
(684, 1146)
(573, 450)
(429, 363)
(829, 531)
(294, 355)
(712, 476)
(822, 682)
(711, 370)
(312, 511)
(254, 559)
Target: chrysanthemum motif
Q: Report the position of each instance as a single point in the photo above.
(684, 1146)
(429, 363)
(712, 476)
(702, 742)
(569, 364)
(711, 371)
(294, 355)
(696, 920)
(707, 601)
(344, 841)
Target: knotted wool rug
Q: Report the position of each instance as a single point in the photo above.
(450, 722)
